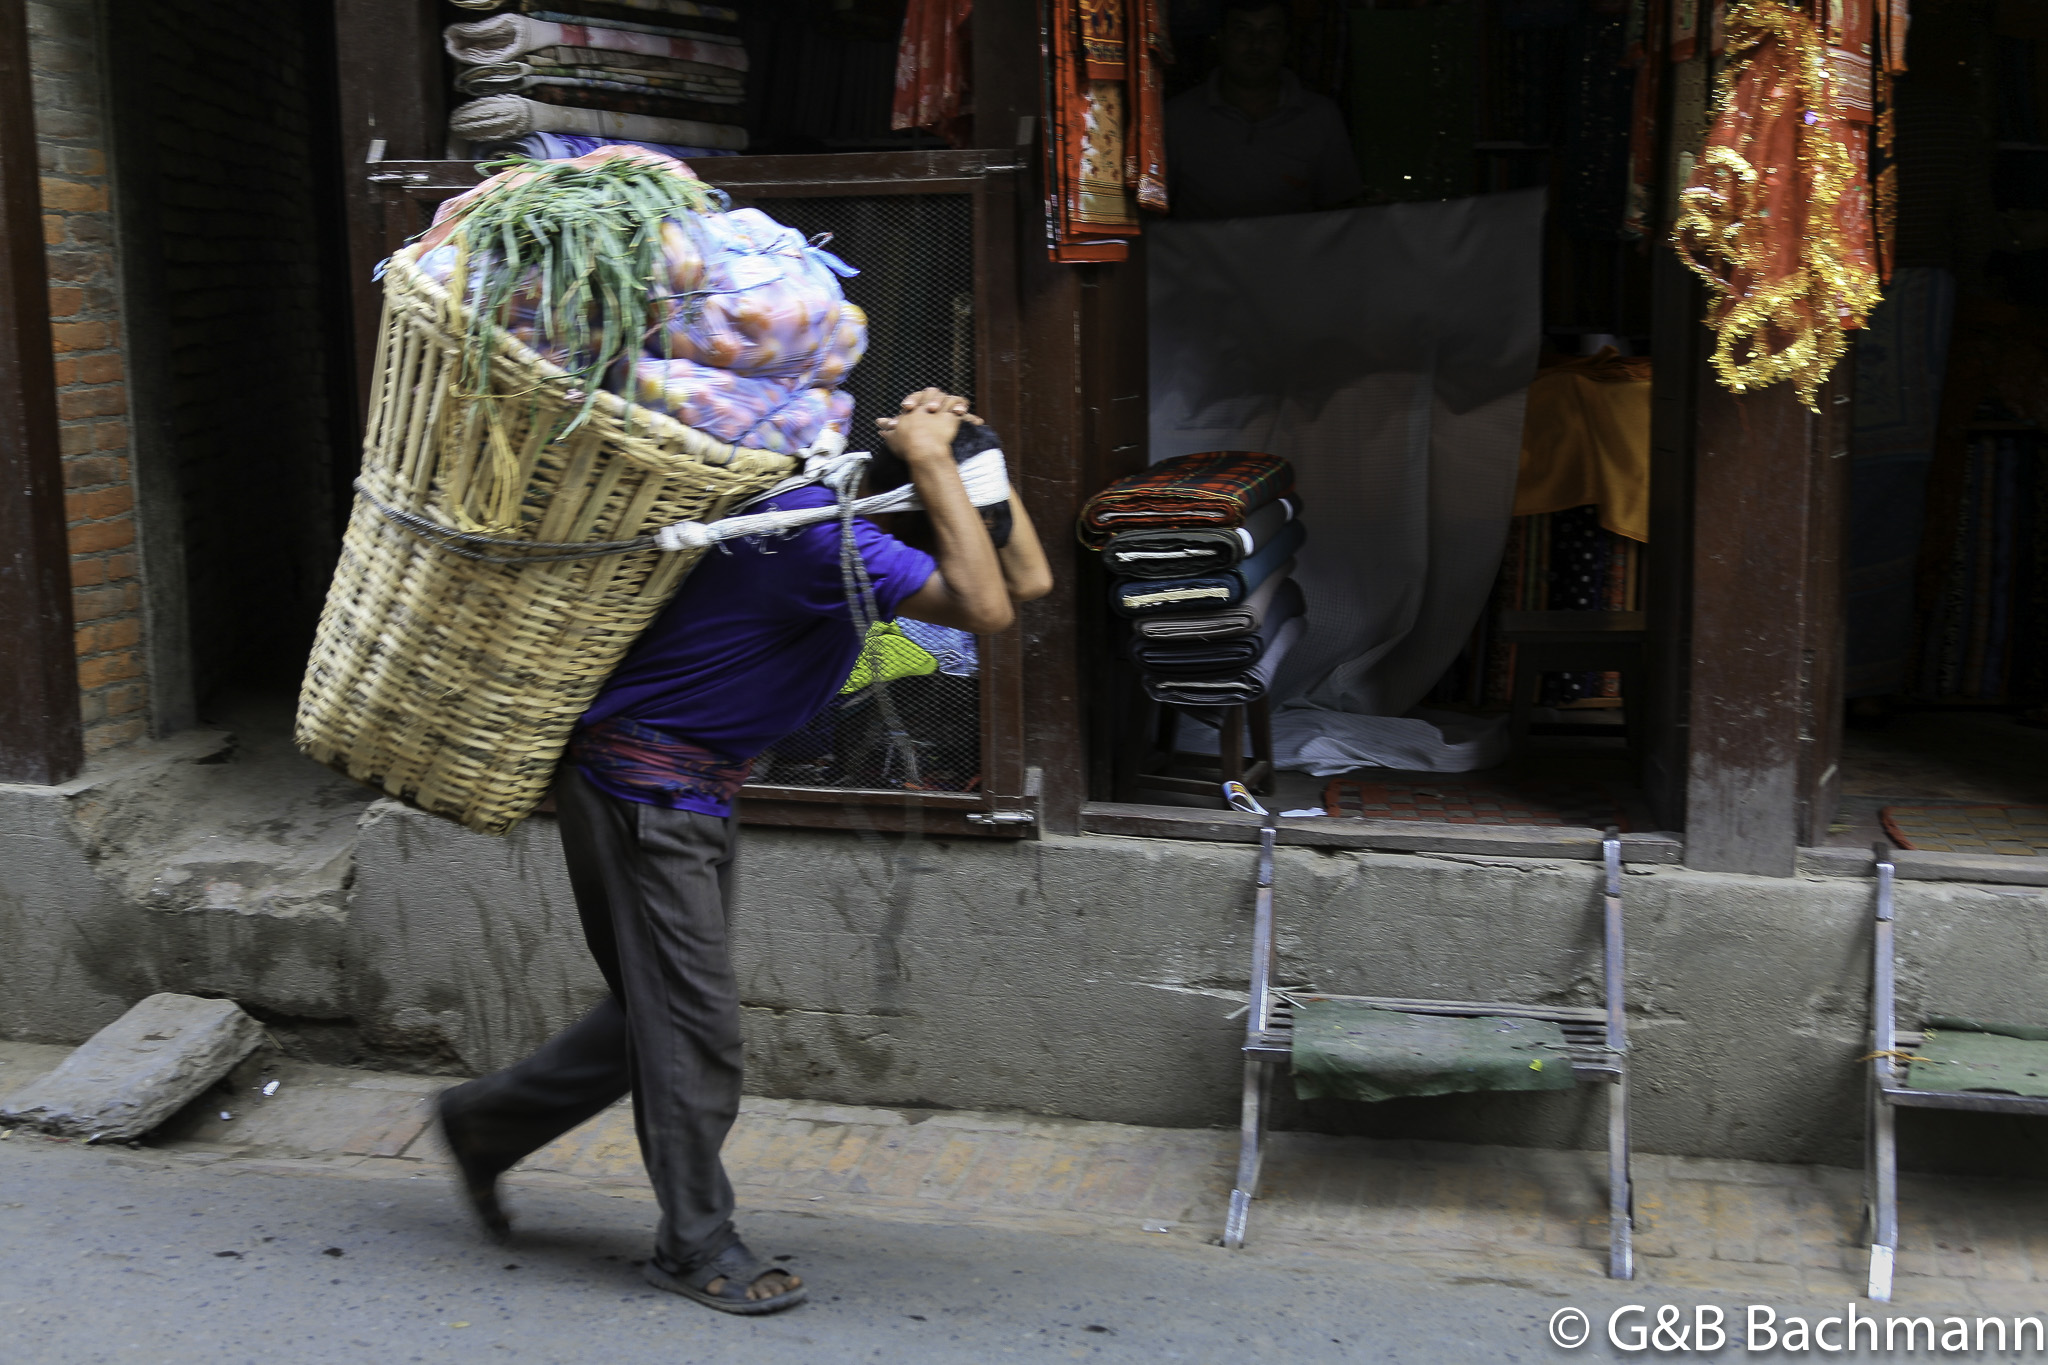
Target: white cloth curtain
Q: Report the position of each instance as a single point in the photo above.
(1385, 352)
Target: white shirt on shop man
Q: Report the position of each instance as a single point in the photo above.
(1221, 164)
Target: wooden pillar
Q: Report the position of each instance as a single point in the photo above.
(40, 739)
(1061, 386)
(1765, 648)
(1665, 709)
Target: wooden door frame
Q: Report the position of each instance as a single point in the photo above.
(41, 738)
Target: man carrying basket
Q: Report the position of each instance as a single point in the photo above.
(756, 643)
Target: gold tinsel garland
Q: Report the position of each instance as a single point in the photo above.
(1790, 283)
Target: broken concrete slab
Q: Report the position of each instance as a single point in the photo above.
(139, 1070)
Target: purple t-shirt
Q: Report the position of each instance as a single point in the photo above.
(756, 642)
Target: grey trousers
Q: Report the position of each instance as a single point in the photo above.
(653, 888)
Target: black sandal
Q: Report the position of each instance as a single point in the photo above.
(737, 1267)
(475, 1175)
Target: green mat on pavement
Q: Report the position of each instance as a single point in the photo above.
(1349, 1051)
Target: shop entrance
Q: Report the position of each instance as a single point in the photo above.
(1535, 587)
(1947, 578)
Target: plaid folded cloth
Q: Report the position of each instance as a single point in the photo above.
(1218, 658)
(1179, 553)
(1237, 689)
(1207, 592)
(1218, 488)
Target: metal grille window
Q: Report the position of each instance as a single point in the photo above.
(915, 254)
(919, 728)
(934, 236)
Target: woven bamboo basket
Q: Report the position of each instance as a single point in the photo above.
(453, 682)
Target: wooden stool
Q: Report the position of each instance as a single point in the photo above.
(1576, 642)
(1153, 756)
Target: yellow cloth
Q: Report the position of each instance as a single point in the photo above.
(890, 653)
(1586, 439)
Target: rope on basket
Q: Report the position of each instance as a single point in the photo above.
(985, 476)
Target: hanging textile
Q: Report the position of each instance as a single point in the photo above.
(1644, 44)
(1892, 21)
(1685, 29)
(1595, 144)
(1849, 31)
(1105, 138)
(934, 65)
(1888, 59)
(1776, 216)
(1901, 364)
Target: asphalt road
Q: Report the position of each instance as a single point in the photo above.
(140, 1255)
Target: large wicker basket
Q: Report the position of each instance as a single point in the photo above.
(450, 681)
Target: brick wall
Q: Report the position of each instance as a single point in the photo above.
(92, 394)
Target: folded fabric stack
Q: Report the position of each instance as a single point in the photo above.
(1203, 551)
(669, 74)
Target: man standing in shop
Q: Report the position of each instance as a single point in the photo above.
(756, 642)
(1249, 141)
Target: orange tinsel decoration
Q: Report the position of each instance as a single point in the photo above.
(1776, 217)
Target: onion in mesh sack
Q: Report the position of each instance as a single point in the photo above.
(745, 325)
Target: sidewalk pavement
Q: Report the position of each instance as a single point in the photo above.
(1532, 1218)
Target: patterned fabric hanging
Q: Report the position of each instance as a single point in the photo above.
(1644, 48)
(1888, 60)
(1106, 130)
(1851, 36)
(934, 66)
(1777, 215)
(1685, 29)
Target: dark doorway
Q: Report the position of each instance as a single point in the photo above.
(230, 236)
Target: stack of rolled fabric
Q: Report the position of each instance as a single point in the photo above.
(555, 78)
(1203, 551)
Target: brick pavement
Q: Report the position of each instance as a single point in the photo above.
(1531, 1217)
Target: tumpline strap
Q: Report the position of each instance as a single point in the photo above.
(985, 476)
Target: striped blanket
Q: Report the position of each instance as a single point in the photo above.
(707, 34)
(569, 146)
(1179, 553)
(562, 54)
(506, 37)
(1228, 623)
(682, 9)
(1206, 592)
(1235, 689)
(1216, 488)
(500, 118)
(509, 78)
(580, 95)
(1218, 658)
